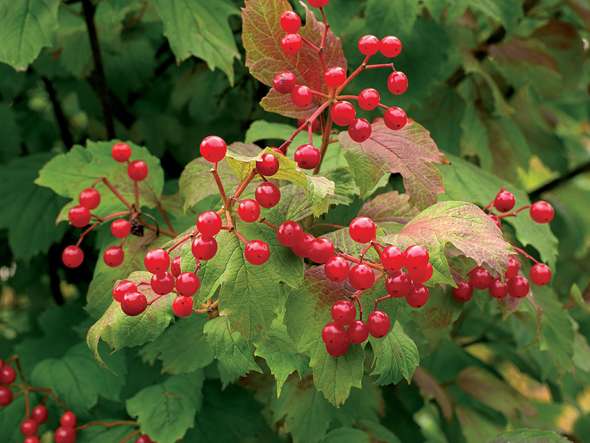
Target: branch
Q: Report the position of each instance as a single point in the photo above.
(58, 112)
(535, 194)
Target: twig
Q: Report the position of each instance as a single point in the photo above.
(58, 113)
(107, 424)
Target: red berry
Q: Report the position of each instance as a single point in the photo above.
(504, 201)
(7, 375)
(392, 258)
(336, 340)
(498, 288)
(303, 247)
(368, 45)
(72, 256)
(256, 252)
(343, 312)
(418, 296)
(542, 212)
(369, 99)
(289, 233)
(518, 286)
(143, 439)
(163, 283)
(133, 303)
(175, 267)
(290, 22)
(268, 165)
(204, 248)
(343, 113)
(361, 277)
(301, 96)
(213, 149)
(65, 435)
(187, 284)
(249, 210)
(68, 420)
(121, 152)
(209, 223)
(321, 250)
(5, 396)
(513, 267)
(379, 324)
(421, 275)
(397, 83)
(318, 3)
(113, 256)
(362, 230)
(540, 274)
(463, 292)
(284, 82)
(89, 198)
(122, 288)
(390, 46)
(416, 257)
(137, 170)
(267, 195)
(291, 44)
(395, 118)
(79, 216)
(480, 278)
(120, 228)
(334, 77)
(336, 269)
(360, 130)
(157, 261)
(358, 332)
(398, 285)
(307, 156)
(182, 306)
(39, 414)
(28, 427)
(32, 439)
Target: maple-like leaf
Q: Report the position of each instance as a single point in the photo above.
(410, 152)
(389, 207)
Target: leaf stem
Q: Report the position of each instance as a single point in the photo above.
(116, 192)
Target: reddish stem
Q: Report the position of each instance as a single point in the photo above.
(525, 254)
(116, 192)
(181, 241)
(219, 183)
(380, 66)
(310, 44)
(107, 424)
(303, 125)
(514, 213)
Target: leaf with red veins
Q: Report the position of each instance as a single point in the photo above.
(262, 36)
(389, 207)
(410, 152)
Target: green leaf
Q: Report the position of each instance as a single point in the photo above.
(507, 12)
(167, 411)
(395, 356)
(10, 419)
(97, 434)
(389, 207)
(78, 380)
(263, 130)
(399, 15)
(233, 352)
(200, 28)
(9, 133)
(475, 426)
(529, 436)
(26, 27)
(347, 435)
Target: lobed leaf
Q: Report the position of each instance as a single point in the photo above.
(395, 356)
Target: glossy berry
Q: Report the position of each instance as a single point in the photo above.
(463, 292)
(379, 324)
(32, 439)
(267, 195)
(334, 77)
(291, 44)
(498, 288)
(162, 284)
(318, 3)
(518, 286)
(392, 258)
(342, 113)
(113, 256)
(68, 420)
(133, 303)
(343, 312)
(336, 340)
(209, 224)
(256, 252)
(122, 288)
(121, 152)
(361, 277)
(79, 216)
(395, 118)
(513, 267)
(268, 165)
(307, 156)
(182, 306)
(321, 250)
(290, 22)
(504, 201)
(542, 212)
(480, 278)
(368, 45)
(390, 46)
(336, 269)
(39, 414)
(421, 274)
(362, 230)
(187, 284)
(137, 170)
(175, 268)
(301, 96)
(204, 248)
(358, 332)
(284, 82)
(64, 435)
(72, 256)
(7, 375)
(397, 83)
(120, 228)
(213, 149)
(249, 210)
(289, 233)
(540, 274)
(418, 296)
(398, 285)
(416, 257)
(157, 261)
(369, 99)
(360, 130)
(303, 247)
(28, 427)
(89, 198)
(5, 396)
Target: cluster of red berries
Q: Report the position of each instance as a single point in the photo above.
(541, 212)
(7, 377)
(29, 427)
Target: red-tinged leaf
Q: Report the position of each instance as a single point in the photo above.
(262, 36)
(431, 388)
(526, 51)
(389, 207)
(410, 152)
(582, 8)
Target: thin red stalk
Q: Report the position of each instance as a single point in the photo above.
(324, 39)
(165, 216)
(381, 66)
(514, 213)
(116, 192)
(525, 254)
(354, 74)
(303, 125)
(319, 94)
(107, 424)
(327, 130)
(358, 261)
(241, 237)
(380, 299)
(269, 224)
(220, 187)
(242, 187)
(136, 194)
(27, 403)
(310, 44)
(357, 300)
(129, 436)
(86, 232)
(310, 133)
(156, 298)
(157, 229)
(181, 241)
